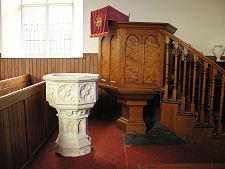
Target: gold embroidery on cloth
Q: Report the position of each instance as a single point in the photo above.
(98, 21)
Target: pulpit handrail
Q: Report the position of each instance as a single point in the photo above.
(194, 51)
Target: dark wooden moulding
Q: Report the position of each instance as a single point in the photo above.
(130, 61)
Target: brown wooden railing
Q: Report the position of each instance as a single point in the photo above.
(196, 82)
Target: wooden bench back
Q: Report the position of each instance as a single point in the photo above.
(26, 122)
(10, 85)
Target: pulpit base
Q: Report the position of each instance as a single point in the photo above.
(132, 102)
(131, 120)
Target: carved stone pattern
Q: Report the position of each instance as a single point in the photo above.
(82, 126)
(114, 60)
(70, 127)
(153, 63)
(131, 65)
(87, 92)
(50, 90)
(65, 113)
(65, 93)
(60, 126)
(80, 112)
(105, 59)
(72, 114)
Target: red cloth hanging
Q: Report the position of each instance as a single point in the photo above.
(100, 18)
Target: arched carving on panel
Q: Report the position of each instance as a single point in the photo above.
(153, 60)
(114, 60)
(105, 58)
(131, 59)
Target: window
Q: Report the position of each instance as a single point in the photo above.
(42, 28)
(47, 27)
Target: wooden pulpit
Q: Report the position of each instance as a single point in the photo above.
(130, 61)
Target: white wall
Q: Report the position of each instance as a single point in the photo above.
(0, 28)
(200, 23)
(11, 28)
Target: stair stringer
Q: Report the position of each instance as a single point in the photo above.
(184, 126)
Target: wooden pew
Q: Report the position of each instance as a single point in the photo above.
(13, 84)
(26, 122)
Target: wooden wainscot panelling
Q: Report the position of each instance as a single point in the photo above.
(38, 67)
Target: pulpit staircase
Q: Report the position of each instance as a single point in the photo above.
(193, 101)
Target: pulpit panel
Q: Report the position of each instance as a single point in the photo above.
(114, 60)
(131, 60)
(153, 60)
(105, 58)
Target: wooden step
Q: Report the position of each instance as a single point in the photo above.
(204, 125)
(184, 125)
(187, 114)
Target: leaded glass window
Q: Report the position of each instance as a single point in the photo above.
(47, 27)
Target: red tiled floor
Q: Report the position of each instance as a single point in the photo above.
(137, 155)
(107, 153)
(110, 153)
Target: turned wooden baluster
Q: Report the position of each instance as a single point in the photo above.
(194, 84)
(199, 92)
(220, 124)
(166, 87)
(180, 68)
(184, 82)
(211, 118)
(189, 83)
(174, 97)
(202, 112)
(209, 93)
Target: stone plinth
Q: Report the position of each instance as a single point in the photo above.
(72, 95)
